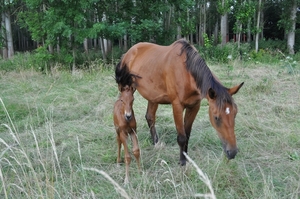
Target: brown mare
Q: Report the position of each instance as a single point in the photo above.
(177, 75)
(125, 124)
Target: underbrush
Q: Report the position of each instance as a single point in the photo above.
(270, 52)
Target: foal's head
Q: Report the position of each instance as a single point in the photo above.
(222, 114)
(127, 98)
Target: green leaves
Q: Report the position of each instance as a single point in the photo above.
(224, 6)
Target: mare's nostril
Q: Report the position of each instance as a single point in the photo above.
(228, 153)
(231, 153)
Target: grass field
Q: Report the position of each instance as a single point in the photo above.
(57, 139)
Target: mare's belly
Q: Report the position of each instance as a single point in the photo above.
(154, 95)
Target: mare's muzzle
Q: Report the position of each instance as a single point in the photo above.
(231, 153)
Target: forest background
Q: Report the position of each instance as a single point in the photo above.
(76, 33)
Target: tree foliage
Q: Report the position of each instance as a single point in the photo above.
(64, 25)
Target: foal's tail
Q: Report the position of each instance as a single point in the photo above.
(123, 75)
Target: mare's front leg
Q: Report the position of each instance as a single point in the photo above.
(189, 118)
(181, 136)
(150, 117)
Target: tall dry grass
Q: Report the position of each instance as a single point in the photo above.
(57, 140)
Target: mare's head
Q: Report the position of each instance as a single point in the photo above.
(127, 98)
(222, 112)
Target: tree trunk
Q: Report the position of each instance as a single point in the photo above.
(291, 32)
(51, 49)
(216, 32)
(178, 32)
(74, 58)
(204, 20)
(240, 28)
(10, 46)
(102, 49)
(85, 46)
(57, 45)
(224, 19)
(249, 30)
(257, 26)
(125, 47)
(3, 35)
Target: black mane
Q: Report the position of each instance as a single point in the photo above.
(123, 76)
(203, 76)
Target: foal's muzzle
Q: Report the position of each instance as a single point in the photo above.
(128, 116)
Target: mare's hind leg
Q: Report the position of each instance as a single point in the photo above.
(189, 117)
(150, 117)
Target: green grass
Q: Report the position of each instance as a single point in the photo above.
(57, 139)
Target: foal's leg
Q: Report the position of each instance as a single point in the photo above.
(150, 117)
(181, 137)
(136, 149)
(119, 148)
(189, 117)
(123, 137)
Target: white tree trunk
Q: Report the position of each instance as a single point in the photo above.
(178, 32)
(57, 46)
(85, 45)
(291, 33)
(216, 32)
(102, 48)
(224, 19)
(9, 38)
(257, 26)
(239, 35)
(125, 48)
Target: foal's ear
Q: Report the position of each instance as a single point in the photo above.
(212, 94)
(235, 89)
(120, 87)
(133, 89)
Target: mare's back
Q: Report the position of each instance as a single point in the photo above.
(162, 70)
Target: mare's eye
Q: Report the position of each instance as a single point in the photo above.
(217, 120)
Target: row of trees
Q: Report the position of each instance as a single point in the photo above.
(67, 25)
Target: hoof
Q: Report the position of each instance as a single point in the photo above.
(126, 181)
(182, 162)
(155, 140)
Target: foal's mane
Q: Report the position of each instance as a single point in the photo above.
(203, 75)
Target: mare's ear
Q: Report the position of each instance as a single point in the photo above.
(235, 89)
(212, 94)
